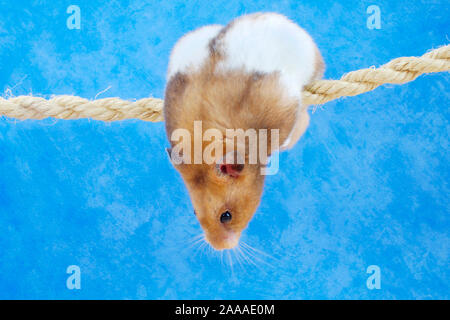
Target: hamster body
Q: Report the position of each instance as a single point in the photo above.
(246, 75)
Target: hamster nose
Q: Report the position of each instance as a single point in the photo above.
(229, 241)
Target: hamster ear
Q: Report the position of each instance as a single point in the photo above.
(169, 154)
(231, 164)
(174, 158)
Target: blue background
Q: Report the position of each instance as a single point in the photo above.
(368, 184)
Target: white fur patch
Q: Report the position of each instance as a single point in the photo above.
(191, 51)
(267, 43)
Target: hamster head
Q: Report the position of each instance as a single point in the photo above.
(225, 198)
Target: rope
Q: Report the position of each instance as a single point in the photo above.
(397, 71)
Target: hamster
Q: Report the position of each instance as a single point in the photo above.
(248, 74)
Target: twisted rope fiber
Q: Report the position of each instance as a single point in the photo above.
(397, 71)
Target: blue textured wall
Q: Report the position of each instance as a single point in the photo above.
(367, 185)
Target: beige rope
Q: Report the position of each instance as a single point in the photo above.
(397, 71)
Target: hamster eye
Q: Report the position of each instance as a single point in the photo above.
(225, 217)
(195, 213)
